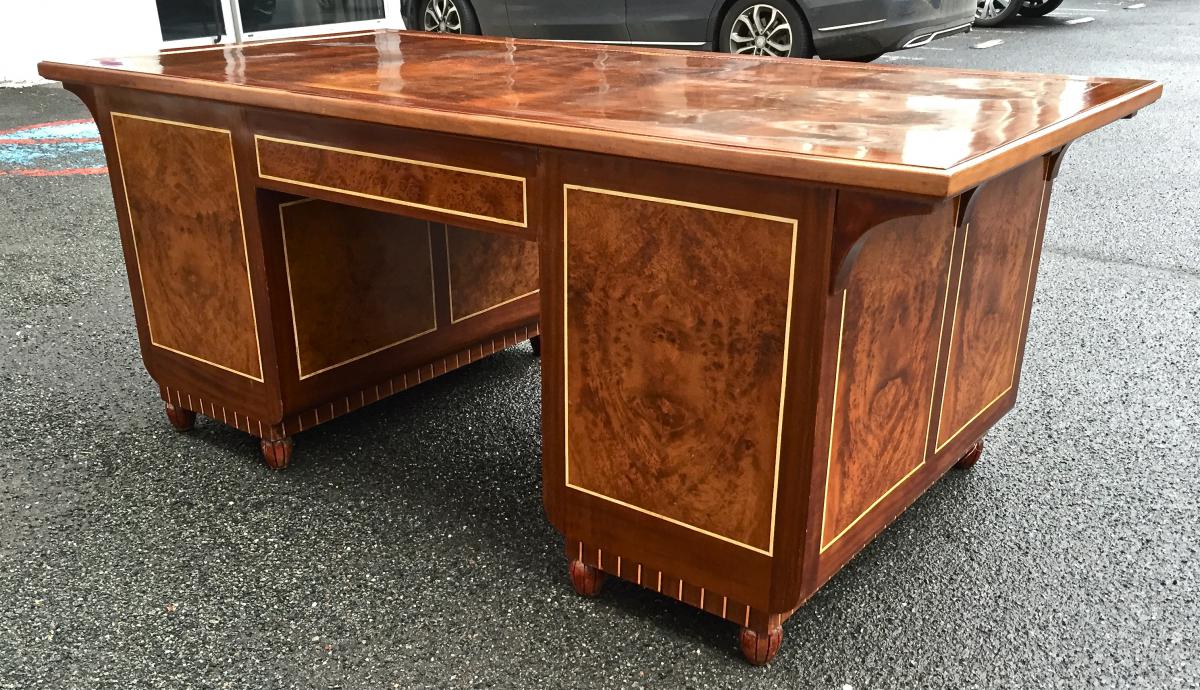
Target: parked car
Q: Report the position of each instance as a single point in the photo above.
(997, 12)
(838, 29)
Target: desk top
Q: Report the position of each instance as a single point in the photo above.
(918, 130)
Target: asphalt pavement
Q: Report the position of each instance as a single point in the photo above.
(407, 547)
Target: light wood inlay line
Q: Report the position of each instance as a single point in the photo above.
(837, 372)
(1038, 228)
(137, 257)
(793, 224)
(929, 420)
(524, 222)
(287, 265)
(450, 285)
(941, 330)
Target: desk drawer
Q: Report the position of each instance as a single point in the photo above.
(409, 182)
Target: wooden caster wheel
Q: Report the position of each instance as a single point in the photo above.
(277, 453)
(180, 418)
(586, 579)
(536, 343)
(969, 458)
(758, 648)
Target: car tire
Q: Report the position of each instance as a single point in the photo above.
(447, 17)
(748, 21)
(1039, 8)
(995, 12)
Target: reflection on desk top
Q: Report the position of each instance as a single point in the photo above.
(927, 131)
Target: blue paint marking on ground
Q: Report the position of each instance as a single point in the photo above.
(51, 146)
(54, 155)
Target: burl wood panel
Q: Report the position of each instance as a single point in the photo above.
(419, 184)
(988, 318)
(360, 281)
(190, 245)
(487, 270)
(894, 300)
(676, 320)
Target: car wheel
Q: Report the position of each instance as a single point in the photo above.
(448, 17)
(995, 12)
(765, 27)
(1039, 8)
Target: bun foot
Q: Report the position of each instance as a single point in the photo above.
(277, 453)
(969, 458)
(758, 648)
(180, 418)
(536, 343)
(586, 579)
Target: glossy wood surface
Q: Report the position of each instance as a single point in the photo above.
(697, 411)
(780, 298)
(181, 196)
(682, 328)
(926, 131)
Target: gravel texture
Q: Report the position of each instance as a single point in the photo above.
(407, 546)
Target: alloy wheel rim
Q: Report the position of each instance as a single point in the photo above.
(441, 16)
(761, 30)
(985, 9)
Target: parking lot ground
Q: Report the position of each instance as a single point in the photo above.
(406, 546)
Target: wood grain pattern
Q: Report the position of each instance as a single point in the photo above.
(926, 131)
(487, 270)
(696, 412)
(696, 352)
(890, 329)
(359, 281)
(420, 184)
(986, 326)
(183, 206)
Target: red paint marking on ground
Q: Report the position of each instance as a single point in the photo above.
(55, 173)
(39, 125)
(78, 140)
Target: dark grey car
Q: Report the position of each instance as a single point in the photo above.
(838, 29)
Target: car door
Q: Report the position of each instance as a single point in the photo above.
(597, 21)
(670, 23)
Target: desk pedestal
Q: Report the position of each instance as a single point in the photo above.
(276, 308)
(746, 379)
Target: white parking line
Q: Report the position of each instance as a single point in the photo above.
(1081, 20)
(988, 44)
(1137, 6)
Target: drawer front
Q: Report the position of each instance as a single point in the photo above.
(406, 182)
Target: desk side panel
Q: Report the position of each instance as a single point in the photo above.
(188, 229)
(1001, 237)
(683, 313)
(930, 342)
(890, 315)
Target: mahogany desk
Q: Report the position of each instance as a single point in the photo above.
(780, 298)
